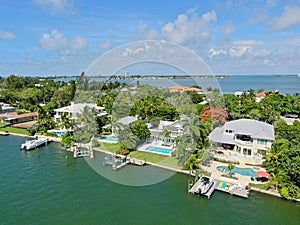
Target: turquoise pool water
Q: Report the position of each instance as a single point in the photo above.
(158, 150)
(114, 139)
(59, 133)
(242, 171)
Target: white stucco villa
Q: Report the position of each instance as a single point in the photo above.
(246, 140)
(174, 129)
(75, 109)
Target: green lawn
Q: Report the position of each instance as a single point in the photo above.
(110, 147)
(155, 158)
(15, 130)
(149, 157)
(261, 186)
(170, 162)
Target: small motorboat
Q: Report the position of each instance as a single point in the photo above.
(205, 185)
(34, 143)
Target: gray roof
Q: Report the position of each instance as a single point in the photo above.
(217, 135)
(127, 120)
(255, 129)
(78, 107)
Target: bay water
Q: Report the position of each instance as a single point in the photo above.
(39, 187)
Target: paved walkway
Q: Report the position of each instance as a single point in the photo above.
(243, 180)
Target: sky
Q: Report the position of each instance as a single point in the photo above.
(233, 37)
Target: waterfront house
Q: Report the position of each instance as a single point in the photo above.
(246, 140)
(172, 128)
(14, 118)
(260, 96)
(76, 109)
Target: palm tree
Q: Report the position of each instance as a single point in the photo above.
(127, 138)
(276, 180)
(230, 167)
(191, 127)
(86, 123)
(166, 134)
(44, 120)
(182, 143)
(65, 121)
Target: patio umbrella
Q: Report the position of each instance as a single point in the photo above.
(262, 174)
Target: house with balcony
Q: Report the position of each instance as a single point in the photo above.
(246, 140)
(76, 109)
(173, 129)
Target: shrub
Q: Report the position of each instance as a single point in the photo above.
(124, 152)
(95, 143)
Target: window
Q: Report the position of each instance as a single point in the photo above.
(246, 151)
(261, 151)
(229, 131)
(262, 141)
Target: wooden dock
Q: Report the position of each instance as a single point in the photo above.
(119, 161)
(233, 189)
(81, 150)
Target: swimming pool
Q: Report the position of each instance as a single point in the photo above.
(58, 132)
(113, 139)
(158, 150)
(242, 171)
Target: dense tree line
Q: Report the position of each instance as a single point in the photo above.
(283, 161)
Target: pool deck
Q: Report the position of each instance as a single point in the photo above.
(154, 144)
(243, 180)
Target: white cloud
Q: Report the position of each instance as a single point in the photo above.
(289, 18)
(77, 43)
(210, 16)
(132, 52)
(267, 62)
(228, 29)
(189, 27)
(58, 41)
(261, 53)
(58, 5)
(213, 52)
(235, 51)
(292, 41)
(6, 35)
(239, 51)
(146, 33)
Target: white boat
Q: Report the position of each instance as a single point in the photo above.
(205, 185)
(33, 144)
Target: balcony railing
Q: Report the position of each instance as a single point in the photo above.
(239, 141)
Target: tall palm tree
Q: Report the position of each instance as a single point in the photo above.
(86, 122)
(65, 121)
(127, 138)
(182, 143)
(191, 127)
(276, 180)
(166, 134)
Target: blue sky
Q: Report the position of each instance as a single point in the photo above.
(63, 37)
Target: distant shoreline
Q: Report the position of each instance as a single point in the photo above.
(167, 76)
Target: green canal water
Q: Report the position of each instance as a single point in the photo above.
(37, 187)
